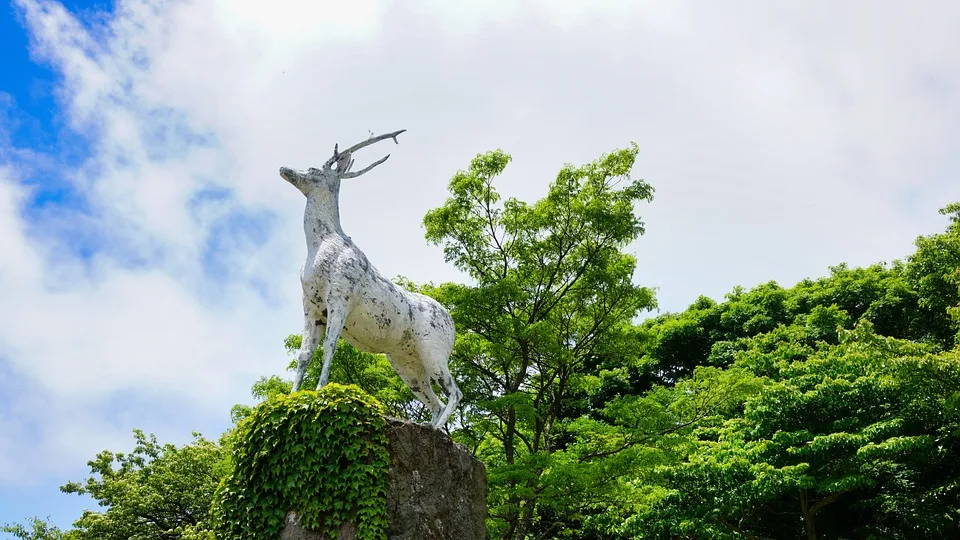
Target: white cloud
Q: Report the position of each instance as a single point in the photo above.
(19, 262)
(780, 140)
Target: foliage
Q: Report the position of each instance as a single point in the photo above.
(934, 272)
(552, 307)
(603, 474)
(321, 454)
(37, 529)
(709, 333)
(154, 492)
(854, 434)
(852, 439)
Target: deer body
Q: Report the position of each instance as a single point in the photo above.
(345, 296)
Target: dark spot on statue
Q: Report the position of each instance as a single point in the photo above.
(409, 312)
(406, 338)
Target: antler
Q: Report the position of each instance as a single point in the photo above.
(371, 140)
(344, 160)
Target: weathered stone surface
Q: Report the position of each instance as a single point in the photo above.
(293, 531)
(437, 489)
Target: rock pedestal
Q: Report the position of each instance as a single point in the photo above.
(437, 489)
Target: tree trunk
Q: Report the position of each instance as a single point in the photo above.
(513, 519)
(807, 515)
(526, 518)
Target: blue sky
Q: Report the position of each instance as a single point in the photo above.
(149, 251)
(30, 119)
(33, 117)
(41, 143)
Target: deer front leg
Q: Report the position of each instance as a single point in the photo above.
(336, 318)
(313, 328)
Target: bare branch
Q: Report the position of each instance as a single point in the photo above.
(829, 499)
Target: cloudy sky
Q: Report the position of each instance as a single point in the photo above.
(149, 251)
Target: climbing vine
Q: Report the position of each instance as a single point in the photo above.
(320, 454)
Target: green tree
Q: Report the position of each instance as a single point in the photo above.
(37, 529)
(708, 332)
(553, 301)
(934, 272)
(617, 458)
(845, 440)
(154, 492)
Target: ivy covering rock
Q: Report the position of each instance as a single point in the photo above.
(320, 454)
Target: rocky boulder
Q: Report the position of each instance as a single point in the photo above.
(437, 489)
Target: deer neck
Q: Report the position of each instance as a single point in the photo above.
(321, 218)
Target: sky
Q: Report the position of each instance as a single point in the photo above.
(150, 252)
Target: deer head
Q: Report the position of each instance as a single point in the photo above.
(336, 168)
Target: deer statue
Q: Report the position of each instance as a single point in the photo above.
(343, 294)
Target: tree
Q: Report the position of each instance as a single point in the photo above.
(552, 305)
(848, 440)
(934, 272)
(709, 333)
(154, 492)
(37, 529)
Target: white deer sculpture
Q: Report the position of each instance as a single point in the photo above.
(342, 291)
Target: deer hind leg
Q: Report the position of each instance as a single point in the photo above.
(417, 381)
(449, 388)
(436, 406)
(313, 328)
(336, 318)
